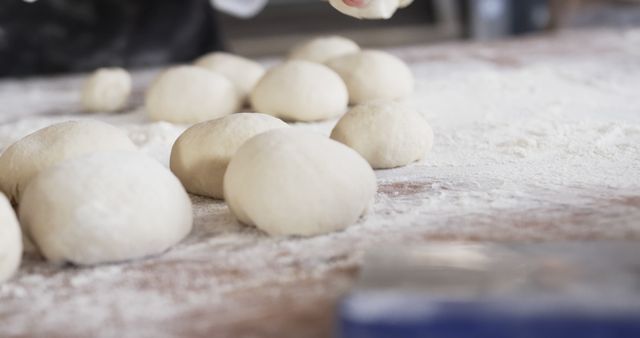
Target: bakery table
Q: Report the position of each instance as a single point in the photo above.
(537, 139)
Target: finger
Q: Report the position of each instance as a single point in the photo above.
(354, 3)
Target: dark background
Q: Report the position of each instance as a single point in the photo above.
(58, 36)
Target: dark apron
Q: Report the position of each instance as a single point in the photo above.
(57, 36)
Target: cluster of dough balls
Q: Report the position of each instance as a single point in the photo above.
(323, 75)
(318, 81)
(281, 180)
(86, 195)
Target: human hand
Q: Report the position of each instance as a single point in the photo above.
(369, 9)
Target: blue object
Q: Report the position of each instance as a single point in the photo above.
(424, 317)
(497, 291)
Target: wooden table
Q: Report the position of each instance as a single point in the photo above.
(537, 139)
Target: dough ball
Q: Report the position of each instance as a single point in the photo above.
(10, 240)
(387, 134)
(202, 153)
(291, 182)
(374, 75)
(24, 159)
(323, 49)
(242, 72)
(190, 94)
(300, 91)
(369, 9)
(106, 207)
(106, 90)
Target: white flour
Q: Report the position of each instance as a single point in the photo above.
(535, 140)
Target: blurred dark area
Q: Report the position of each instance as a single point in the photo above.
(56, 36)
(41, 37)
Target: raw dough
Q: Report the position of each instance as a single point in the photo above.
(300, 91)
(106, 90)
(323, 49)
(370, 9)
(190, 94)
(291, 182)
(24, 159)
(202, 153)
(10, 240)
(387, 134)
(106, 207)
(242, 72)
(374, 75)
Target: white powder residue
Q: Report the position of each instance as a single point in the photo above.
(535, 140)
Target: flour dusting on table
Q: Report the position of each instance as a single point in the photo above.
(535, 140)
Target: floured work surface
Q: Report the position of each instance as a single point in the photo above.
(537, 139)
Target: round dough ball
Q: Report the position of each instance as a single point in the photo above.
(374, 75)
(46, 147)
(10, 240)
(242, 72)
(202, 153)
(291, 182)
(323, 49)
(387, 134)
(301, 91)
(106, 207)
(369, 9)
(190, 94)
(106, 90)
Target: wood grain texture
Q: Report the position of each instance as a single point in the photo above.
(548, 167)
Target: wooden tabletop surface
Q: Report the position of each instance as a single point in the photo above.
(536, 139)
